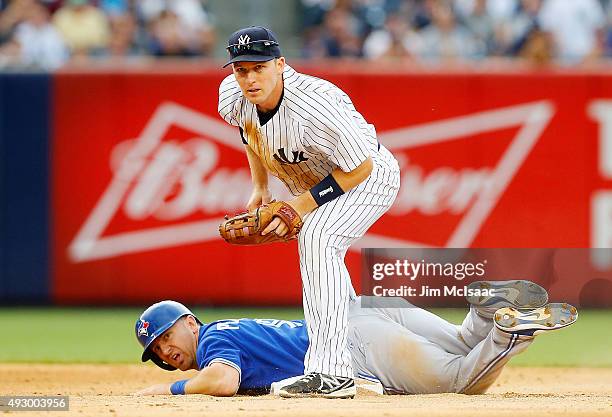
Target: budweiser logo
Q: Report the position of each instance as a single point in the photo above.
(179, 179)
(443, 190)
(185, 186)
(467, 193)
(156, 178)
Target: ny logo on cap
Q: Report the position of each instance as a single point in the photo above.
(244, 39)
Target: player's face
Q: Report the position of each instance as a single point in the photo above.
(177, 345)
(260, 82)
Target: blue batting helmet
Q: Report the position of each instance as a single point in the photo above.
(153, 322)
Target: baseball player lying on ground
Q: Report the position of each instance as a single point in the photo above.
(408, 349)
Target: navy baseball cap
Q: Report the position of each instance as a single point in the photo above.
(252, 44)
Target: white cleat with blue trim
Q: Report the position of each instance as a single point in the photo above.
(552, 316)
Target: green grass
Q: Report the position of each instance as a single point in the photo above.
(85, 335)
(81, 335)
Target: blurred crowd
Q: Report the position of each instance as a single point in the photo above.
(49, 33)
(566, 32)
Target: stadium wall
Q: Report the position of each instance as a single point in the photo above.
(142, 169)
(24, 187)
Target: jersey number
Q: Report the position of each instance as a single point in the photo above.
(234, 324)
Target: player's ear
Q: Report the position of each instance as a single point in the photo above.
(280, 64)
(191, 323)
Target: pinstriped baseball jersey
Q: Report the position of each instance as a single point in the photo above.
(314, 130)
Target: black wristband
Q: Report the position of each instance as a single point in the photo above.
(327, 190)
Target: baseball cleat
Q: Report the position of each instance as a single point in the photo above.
(521, 294)
(320, 385)
(552, 316)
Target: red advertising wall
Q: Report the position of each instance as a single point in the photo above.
(144, 169)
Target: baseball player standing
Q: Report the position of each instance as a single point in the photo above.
(306, 131)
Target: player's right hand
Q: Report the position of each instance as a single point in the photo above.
(159, 389)
(259, 197)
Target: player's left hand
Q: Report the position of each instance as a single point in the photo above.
(158, 389)
(277, 221)
(277, 226)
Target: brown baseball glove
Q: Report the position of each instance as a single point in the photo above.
(246, 228)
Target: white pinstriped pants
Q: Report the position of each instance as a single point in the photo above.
(326, 235)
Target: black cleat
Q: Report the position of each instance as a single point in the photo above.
(320, 385)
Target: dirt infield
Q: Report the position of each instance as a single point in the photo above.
(104, 390)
